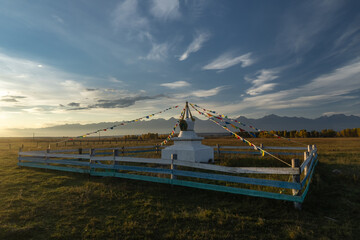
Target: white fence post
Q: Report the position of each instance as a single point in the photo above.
(295, 163)
(306, 155)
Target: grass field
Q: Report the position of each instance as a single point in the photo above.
(44, 204)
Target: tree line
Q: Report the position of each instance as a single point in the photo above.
(349, 132)
(145, 136)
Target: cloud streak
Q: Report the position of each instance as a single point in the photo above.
(158, 52)
(195, 45)
(165, 9)
(177, 84)
(301, 35)
(201, 93)
(74, 104)
(228, 60)
(48, 88)
(115, 103)
(260, 84)
(207, 93)
(126, 16)
(8, 100)
(11, 99)
(340, 84)
(18, 76)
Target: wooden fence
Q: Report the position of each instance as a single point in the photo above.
(252, 181)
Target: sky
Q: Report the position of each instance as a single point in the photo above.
(64, 62)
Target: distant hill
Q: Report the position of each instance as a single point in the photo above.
(270, 122)
(273, 122)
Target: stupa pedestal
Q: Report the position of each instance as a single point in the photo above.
(187, 146)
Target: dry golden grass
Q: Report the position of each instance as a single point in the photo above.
(44, 204)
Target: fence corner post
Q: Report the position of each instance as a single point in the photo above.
(295, 163)
(314, 147)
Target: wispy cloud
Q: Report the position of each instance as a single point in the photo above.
(195, 45)
(8, 100)
(300, 35)
(17, 76)
(348, 41)
(115, 80)
(260, 84)
(340, 84)
(158, 52)
(91, 89)
(165, 9)
(228, 60)
(126, 16)
(73, 104)
(328, 114)
(177, 84)
(197, 93)
(58, 19)
(123, 102)
(196, 9)
(115, 103)
(12, 99)
(205, 93)
(45, 88)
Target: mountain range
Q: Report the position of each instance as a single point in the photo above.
(270, 122)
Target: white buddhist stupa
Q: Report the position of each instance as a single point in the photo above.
(187, 146)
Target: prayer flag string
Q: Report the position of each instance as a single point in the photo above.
(173, 131)
(262, 151)
(224, 118)
(117, 125)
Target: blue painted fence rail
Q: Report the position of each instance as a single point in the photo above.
(114, 166)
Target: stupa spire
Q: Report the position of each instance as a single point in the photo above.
(188, 112)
